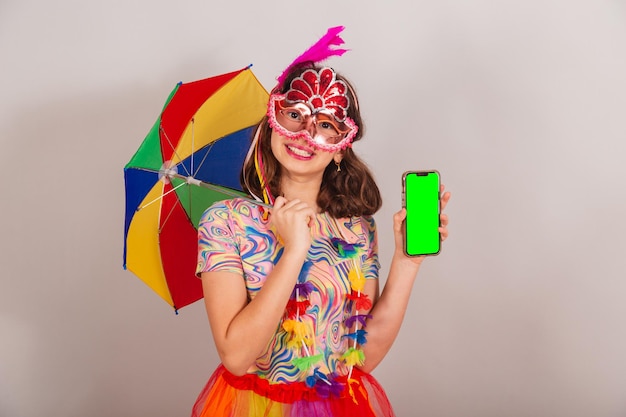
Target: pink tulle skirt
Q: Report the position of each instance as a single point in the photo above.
(227, 395)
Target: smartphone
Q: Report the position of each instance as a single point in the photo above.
(420, 197)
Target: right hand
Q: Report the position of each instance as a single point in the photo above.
(293, 220)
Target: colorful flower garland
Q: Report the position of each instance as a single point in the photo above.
(300, 332)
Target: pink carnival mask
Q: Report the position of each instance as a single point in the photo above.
(314, 108)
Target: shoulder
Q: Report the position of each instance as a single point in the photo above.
(368, 223)
(237, 210)
(234, 205)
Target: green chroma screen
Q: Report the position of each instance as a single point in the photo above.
(422, 206)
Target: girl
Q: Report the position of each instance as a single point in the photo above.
(292, 293)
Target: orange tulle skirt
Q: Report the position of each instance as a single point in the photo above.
(227, 395)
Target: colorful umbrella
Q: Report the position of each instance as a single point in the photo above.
(191, 157)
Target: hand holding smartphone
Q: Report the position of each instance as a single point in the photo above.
(421, 199)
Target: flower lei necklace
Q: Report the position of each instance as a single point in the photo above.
(300, 339)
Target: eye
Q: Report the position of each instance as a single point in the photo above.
(294, 115)
(327, 127)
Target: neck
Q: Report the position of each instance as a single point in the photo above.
(306, 191)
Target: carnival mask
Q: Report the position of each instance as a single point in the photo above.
(314, 108)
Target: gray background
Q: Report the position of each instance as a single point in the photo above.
(519, 104)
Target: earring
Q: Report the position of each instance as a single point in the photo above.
(338, 163)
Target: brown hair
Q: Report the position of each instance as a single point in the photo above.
(349, 192)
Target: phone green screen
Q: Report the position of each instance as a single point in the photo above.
(421, 199)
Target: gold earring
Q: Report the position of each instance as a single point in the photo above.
(338, 165)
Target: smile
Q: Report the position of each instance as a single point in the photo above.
(299, 152)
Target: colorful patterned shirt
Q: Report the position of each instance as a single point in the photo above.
(234, 236)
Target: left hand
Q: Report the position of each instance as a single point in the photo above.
(398, 220)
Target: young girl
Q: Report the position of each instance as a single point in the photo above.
(291, 292)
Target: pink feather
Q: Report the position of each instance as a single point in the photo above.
(320, 51)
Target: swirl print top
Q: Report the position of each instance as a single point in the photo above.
(234, 236)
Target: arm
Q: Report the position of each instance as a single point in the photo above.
(390, 307)
(242, 329)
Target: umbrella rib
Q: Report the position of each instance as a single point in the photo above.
(223, 190)
(173, 149)
(161, 196)
(189, 201)
(204, 157)
(177, 203)
(193, 139)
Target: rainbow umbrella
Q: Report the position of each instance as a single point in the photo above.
(191, 157)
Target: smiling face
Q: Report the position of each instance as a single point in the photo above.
(312, 118)
(299, 159)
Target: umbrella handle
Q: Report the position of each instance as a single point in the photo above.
(227, 191)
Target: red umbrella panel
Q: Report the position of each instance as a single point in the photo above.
(191, 157)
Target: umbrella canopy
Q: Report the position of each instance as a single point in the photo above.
(191, 157)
